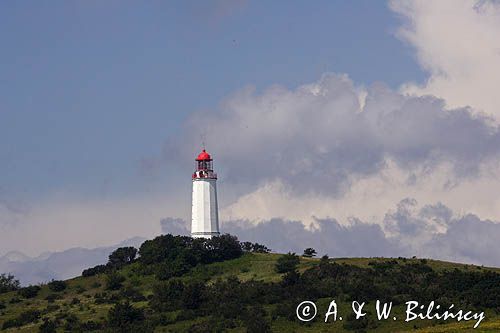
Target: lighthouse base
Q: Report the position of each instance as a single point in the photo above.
(205, 217)
(204, 234)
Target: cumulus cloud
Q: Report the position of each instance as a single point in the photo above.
(468, 239)
(456, 42)
(318, 136)
(358, 239)
(331, 152)
(327, 148)
(429, 231)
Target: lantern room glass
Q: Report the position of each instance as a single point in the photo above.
(205, 165)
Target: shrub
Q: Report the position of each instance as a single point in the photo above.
(192, 295)
(99, 269)
(132, 294)
(363, 324)
(114, 281)
(255, 320)
(72, 323)
(90, 326)
(167, 295)
(56, 285)
(29, 292)
(48, 326)
(309, 252)
(259, 248)
(287, 263)
(52, 297)
(51, 308)
(80, 289)
(15, 300)
(254, 247)
(8, 283)
(290, 278)
(176, 268)
(24, 318)
(123, 315)
(96, 285)
(122, 256)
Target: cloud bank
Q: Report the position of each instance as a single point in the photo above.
(330, 149)
(428, 231)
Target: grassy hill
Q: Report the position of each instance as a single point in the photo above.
(84, 303)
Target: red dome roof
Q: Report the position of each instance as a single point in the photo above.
(204, 156)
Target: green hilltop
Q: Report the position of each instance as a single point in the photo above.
(178, 284)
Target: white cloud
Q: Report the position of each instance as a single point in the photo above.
(370, 197)
(457, 42)
(328, 149)
(317, 152)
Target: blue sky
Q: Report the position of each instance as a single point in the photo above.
(378, 118)
(89, 88)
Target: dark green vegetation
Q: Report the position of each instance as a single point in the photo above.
(178, 284)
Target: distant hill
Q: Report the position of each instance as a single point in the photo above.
(181, 285)
(57, 265)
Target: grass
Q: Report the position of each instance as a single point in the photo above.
(248, 267)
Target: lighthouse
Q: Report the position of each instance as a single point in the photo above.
(205, 215)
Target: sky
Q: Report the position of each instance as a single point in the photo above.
(381, 114)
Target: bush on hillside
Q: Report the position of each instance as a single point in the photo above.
(287, 263)
(309, 252)
(172, 256)
(254, 247)
(29, 292)
(122, 256)
(123, 316)
(24, 318)
(48, 326)
(8, 283)
(99, 269)
(56, 285)
(114, 281)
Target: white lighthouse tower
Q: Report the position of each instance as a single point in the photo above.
(205, 215)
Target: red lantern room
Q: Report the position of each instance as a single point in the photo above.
(204, 166)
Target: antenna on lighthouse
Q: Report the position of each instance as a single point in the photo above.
(202, 139)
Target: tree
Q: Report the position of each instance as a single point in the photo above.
(56, 285)
(122, 256)
(287, 263)
(167, 295)
(290, 278)
(114, 281)
(255, 320)
(162, 248)
(259, 248)
(26, 317)
(99, 269)
(8, 283)
(123, 316)
(178, 267)
(193, 294)
(254, 247)
(223, 247)
(29, 292)
(309, 252)
(247, 246)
